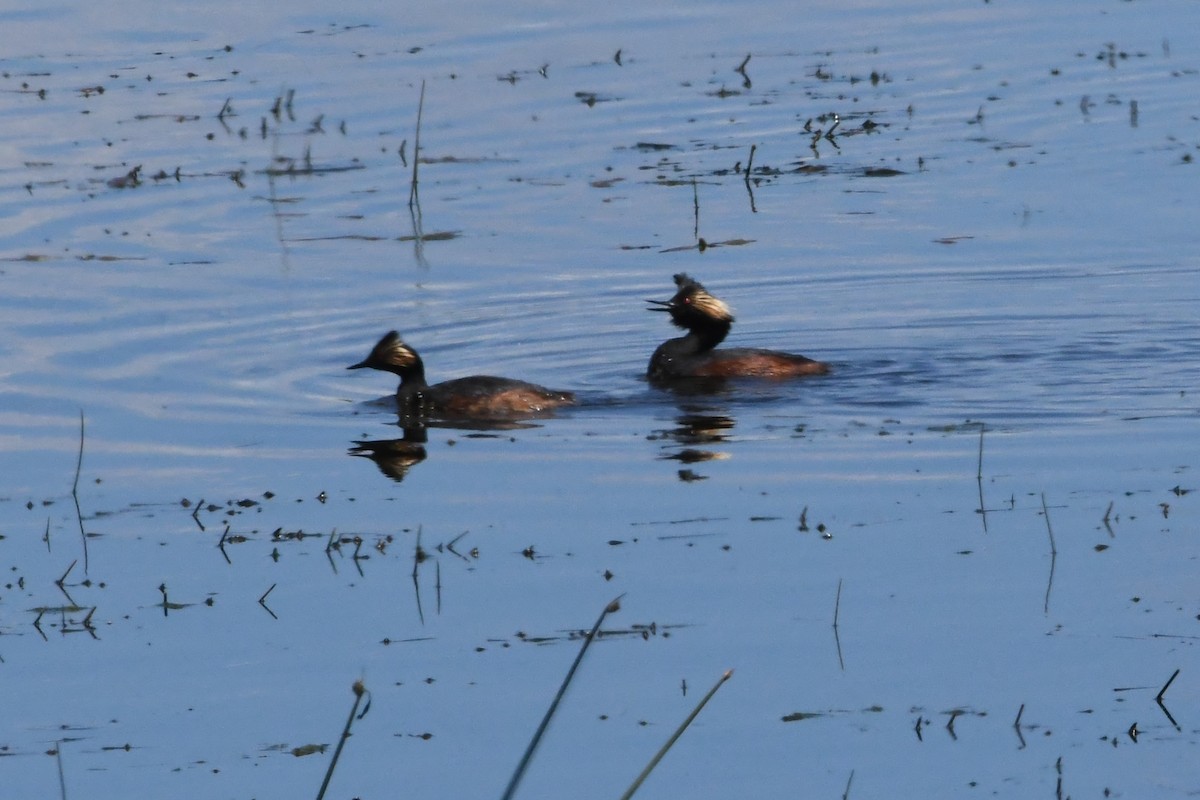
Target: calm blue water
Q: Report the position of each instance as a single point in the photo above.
(1009, 242)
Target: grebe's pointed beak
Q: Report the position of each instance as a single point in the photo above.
(359, 365)
(659, 305)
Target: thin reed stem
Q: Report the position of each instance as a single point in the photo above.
(359, 691)
(62, 778)
(75, 494)
(412, 189)
(1053, 554)
(523, 764)
(979, 467)
(675, 736)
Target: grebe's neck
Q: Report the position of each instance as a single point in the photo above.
(412, 376)
(705, 337)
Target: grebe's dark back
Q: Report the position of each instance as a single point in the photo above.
(478, 397)
(707, 321)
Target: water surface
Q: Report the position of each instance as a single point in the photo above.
(997, 236)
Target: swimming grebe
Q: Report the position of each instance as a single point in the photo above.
(477, 397)
(707, 321)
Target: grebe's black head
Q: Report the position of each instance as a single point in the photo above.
(693, 307)
(391, 354)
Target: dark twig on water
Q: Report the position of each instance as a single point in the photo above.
(954, 714)
(62, 579)
(695, 210)
(675, 736)
(75, 494)
(1017, 726)
(221, 545)
(979, 464)
(416, 160)
(262, 601)
(979, 478)
(741, 70)
(1053, 554)
(746, 178)
(850, 780)
(523, 764)
(333, 545)
(1158, 698)
(359, 691)
(454, 541)
(1107, 517)
(437, 584)
(837, 607)
(419, 556)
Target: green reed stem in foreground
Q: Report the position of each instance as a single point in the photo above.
(519, 773)
(359, 691)
(633, 787)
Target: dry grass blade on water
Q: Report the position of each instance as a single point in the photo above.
(523, 764)
(633, 787)
(359, 690)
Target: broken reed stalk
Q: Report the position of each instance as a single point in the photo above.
(837, 636)
(979, 468)
(359, 691)
(633, 787)
(523, 764)
(412, 189)
(75, 494)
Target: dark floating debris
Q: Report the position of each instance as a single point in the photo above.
(129, 180)
(590, 99)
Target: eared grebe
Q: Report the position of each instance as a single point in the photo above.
(479, 397)
(707, 321)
